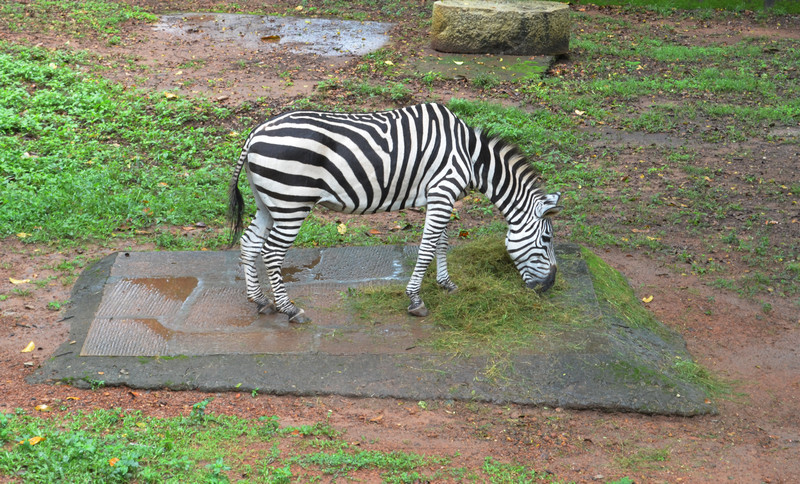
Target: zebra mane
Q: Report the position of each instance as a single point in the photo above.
(517, 161)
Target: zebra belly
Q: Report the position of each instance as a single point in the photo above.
(335, 205)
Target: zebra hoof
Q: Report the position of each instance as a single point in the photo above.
(420, 310)
(449, 287)
(267, 308)
(300, 318)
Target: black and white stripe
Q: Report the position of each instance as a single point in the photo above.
(384, 161)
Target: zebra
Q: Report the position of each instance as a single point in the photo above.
(383, 161)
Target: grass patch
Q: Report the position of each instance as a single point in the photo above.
(492, 313)
(781, 6)
(128, 446)
(81, 158)
(77, 18)
(613, 290)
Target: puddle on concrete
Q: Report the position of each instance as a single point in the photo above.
(325, 37)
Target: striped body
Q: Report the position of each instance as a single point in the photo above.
(375, 162)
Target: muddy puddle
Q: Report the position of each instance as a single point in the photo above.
(324, 37)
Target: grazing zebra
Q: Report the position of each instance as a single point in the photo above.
(377, 162)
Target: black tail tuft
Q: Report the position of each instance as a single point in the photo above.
(235, 210)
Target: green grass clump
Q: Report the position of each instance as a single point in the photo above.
(492, 312)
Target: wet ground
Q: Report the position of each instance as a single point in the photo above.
(318, 36)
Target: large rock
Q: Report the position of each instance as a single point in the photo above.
(518, 27)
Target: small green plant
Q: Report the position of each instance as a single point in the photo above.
(97, 384)
(55, 305)
(485, 81)
(198, 414)
(277, 475)
(216, 470)
(430, 77)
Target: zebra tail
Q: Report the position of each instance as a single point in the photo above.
(235, 200)
(235, 210)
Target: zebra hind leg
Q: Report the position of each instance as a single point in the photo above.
(442, 275)
(251, 244)
(274, 252)
(439, 207)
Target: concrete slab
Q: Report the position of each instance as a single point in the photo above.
(180, 320)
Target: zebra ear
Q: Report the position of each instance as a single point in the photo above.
(548, 205)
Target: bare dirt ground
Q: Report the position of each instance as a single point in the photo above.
(754, 438)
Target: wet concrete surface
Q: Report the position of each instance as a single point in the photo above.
(194, 303)
(180, 320)
(325, 37)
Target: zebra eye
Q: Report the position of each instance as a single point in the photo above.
(546, 239)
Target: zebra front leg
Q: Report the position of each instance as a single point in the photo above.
(278, 242)
(442, 275)
(252, 243)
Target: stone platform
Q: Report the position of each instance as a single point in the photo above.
(180, 320)
(513, 27)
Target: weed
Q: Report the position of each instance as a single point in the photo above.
(485, 81)
(22, 292)
(56, 305)
(645, 458)
(198, 414)
(503, 472)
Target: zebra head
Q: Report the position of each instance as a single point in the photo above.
(530, 243)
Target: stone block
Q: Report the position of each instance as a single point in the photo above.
(514, 27)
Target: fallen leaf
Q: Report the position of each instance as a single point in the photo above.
(388, 63)
(647, 299)
(170, 95)
(374, 232)
(342, 229)
(458, 63)
(73, 398)
(43, 408)
(23, 235)
(18, 281)
(579, 112)
(271, 38)
(32, 440)
(299, 8)
(113, 462)
(29, 348)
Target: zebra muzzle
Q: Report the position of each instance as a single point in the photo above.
(545, 284)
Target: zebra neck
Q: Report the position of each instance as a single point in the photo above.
(505, 176)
